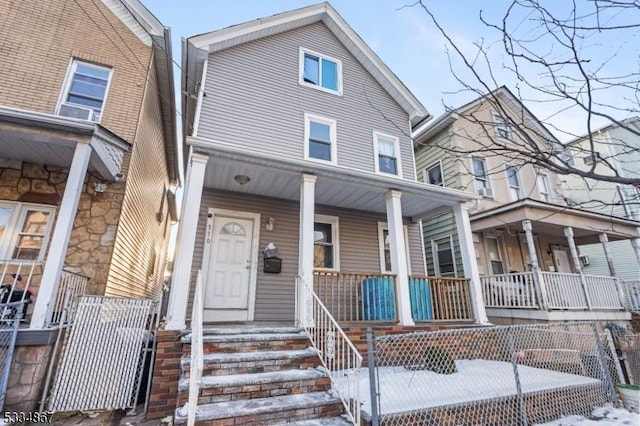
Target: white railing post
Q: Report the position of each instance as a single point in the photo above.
(568, 232)
(197, 362)
(305, 243)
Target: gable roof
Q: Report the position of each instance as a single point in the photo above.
(501, 94)
(632, 121)
(323, 12)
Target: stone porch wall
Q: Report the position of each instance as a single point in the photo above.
(27, 376)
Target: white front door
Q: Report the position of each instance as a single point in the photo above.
(231, 267)
(563, 262)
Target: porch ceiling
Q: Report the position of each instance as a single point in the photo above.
(549, 219)
(45, 139)
(282, 180)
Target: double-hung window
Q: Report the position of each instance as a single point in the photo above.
(496, 259)
(481, 179)
(386, 151)
(433, 174)
(503, 129)
(320, 71)
(320, 138)
(385, 247)
(543, 187)
(513, 180)
(443, 258)
(24, 230)
(325, 243)
(85, 91)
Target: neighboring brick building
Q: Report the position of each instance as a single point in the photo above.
(87, 158)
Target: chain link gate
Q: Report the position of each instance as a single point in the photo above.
(508, 375)
(10, 317)
(103, 356)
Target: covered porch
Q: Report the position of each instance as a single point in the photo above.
(38, 220)
(532, 268)
(351, 236)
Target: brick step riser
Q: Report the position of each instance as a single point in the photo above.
(249, 346)
(288, 416)
(235, 393)
(248, 367)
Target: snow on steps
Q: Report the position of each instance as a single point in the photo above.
(330, 421)
(233, 380)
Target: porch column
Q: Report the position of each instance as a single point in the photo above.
(535, 265)
(397, 248)
(468, 253)
(61, 234)
(635, 243)
(568, 232)
(305, 244)
(183, 260)
(604, 240)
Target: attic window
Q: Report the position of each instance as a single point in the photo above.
(503, 129)
(320, 72)
(592, 158)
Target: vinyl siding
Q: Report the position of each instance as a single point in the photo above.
(275, 293)
(137, 263)
(624, 260)
(438, 227)
(254, 100)
(436, 150)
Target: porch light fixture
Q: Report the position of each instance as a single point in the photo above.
(242, 179)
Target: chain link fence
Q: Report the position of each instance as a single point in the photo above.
(627, 346)
(508, 375)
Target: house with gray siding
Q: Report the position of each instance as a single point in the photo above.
(297, 138)
(526, 235)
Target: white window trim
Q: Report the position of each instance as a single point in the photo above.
(501, 252)
(396, 148)
(509, 187)
(486, 176)
(425, 172)
(382, 226)
(319, 86)
(498, 120)
(434, 253)
(334, 221)
(69, 78)
(12, 232)
(543, 177)
(333, 134)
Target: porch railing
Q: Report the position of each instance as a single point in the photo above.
(197, 357)
(565, 291)
(603, 292)
(357, 296)
(70, 286)
(337, 353)
(631, 291)
(440, 298)
(16, 281)
(510, 290)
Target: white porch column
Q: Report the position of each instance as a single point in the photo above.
(535, 264)
(397, 247)
(568, 232)
(61, 234)
(635, 243)
(305, 243)
(604, 240)
(183, 260)
(469, 261)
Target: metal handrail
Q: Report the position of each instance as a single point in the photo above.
(196, 365)
(337, 353)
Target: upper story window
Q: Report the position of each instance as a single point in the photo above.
(320, 71)
(543, 187)
(320, 138)
(482, 184)
(433, 174)
(84, 91)
(24, 230)
(515, 192)
(594, 157)
(325, 242)
(386, 150)
(503, 129)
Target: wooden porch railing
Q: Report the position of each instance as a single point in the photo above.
(440, 298)
(357, 296)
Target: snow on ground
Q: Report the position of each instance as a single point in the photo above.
(405, 390)
(599, 416)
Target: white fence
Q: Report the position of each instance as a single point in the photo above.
(565, 291)
(340, 358)
(631, 291)
(103, 354)
(510, 290)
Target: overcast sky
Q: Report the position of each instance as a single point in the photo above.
(403, 37)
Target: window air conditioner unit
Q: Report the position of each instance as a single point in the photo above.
(485, 192)
(584, 260)
(74, 111)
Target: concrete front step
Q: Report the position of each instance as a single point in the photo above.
(258, 342)
(217, 364)
(266, 411)
(330, 421)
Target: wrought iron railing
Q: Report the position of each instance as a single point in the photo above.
(357, 296)
(341, 359)
(17, 278)
(440, 298)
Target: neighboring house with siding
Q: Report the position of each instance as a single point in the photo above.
(620, 148)
(525, 235)
(87, 158)
(311, 153)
